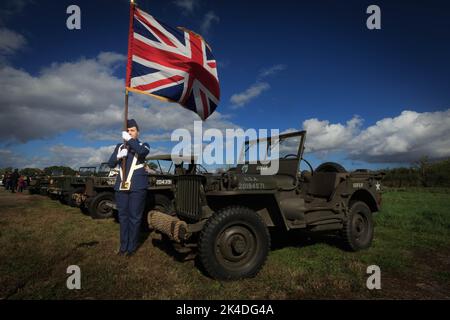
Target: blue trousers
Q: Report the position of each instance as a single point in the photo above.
(130, 205)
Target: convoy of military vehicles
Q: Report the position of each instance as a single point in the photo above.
(227, 218)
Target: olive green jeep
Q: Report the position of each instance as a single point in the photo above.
(226, 217)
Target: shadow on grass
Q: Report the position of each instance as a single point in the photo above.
(302, 239)
(179, 255)
(279, 240)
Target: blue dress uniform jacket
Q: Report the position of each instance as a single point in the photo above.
(134, 168)
(131, 202)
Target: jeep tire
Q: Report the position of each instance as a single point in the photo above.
(98, 206)
(234, 244)
(357, 231)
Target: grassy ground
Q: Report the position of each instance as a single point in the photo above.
(40, 238)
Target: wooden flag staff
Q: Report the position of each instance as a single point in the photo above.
(125, 124)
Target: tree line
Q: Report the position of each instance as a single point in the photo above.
(32, 172)
(422, 173)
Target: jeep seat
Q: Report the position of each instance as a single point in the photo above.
(322, 184)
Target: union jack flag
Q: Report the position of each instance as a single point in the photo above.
(171, 63)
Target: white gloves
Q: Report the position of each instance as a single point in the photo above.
(126, 136)
(122, 153)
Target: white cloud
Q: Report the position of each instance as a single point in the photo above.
(63, 155)
(188, 6)
(241, 99)
(271, 70)
(401, 139)
(324, 137)
(11, 41)
(82, 95)
(58, 155)
(404, 138)
(75, 157)
(208, 20)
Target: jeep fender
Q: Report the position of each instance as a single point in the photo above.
(265, 204)
(365, 196)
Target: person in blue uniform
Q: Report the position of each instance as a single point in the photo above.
(131, 195)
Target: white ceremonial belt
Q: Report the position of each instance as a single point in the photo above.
(127, 184)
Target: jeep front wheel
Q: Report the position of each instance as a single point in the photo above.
(358, 228)
(234, 244)
(100, 206)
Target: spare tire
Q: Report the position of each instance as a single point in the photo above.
(330, 167)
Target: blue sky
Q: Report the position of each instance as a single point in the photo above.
(368, 98)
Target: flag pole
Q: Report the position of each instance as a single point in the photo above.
(127, 80)
(125, 126)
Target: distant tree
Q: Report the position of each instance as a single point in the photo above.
(65, 170)
(5, 170)
(439, 174)
(423, 166)
(31, 172)
(423, 172)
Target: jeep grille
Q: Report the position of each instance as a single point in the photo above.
(188, 197)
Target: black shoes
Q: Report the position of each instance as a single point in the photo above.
(120, 252)
(125, 253)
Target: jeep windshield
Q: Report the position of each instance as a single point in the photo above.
(56, 173)
(104, 168)
(164, 164)
(86, 171)
(283, 146)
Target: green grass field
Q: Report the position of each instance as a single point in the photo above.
(40, 238)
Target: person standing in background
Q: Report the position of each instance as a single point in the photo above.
(21, 184)
(14, 180)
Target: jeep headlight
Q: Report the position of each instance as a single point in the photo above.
(232, 181)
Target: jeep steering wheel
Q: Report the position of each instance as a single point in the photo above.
(201, 169)
(291, 155)
(309, 165)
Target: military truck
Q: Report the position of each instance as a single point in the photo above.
(98, 198)
(34, 187)
(62, 187)
(39, 184)
(226, 217)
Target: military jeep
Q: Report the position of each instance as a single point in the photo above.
(39, 183)
(226, 217)
(98, 194)
(62, 187)
(98, 198)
